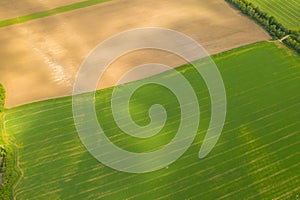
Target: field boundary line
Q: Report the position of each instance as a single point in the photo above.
(46, 13)
(17, 167)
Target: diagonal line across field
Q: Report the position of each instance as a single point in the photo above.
(46, 13)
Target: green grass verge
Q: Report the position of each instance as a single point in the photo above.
(10, 172)
(46, 13)
(257, 156)
(287, 12)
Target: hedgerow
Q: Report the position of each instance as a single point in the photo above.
(269, 23)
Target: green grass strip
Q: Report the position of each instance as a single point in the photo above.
(37, 15)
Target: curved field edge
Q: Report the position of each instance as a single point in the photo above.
(256, 156)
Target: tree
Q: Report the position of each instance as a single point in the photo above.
(3, 151)
(2, 97)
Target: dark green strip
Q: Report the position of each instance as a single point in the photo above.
(25, 18)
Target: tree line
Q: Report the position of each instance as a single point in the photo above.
(2, 97)
(6, 166)
(269, 23)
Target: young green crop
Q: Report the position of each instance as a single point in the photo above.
(257, 156)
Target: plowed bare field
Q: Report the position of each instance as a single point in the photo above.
(40, 58)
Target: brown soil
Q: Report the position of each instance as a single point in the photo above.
(40, 58)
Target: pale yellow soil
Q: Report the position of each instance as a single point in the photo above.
(39, 59)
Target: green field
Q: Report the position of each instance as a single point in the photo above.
(287, 12)
(256, 157)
